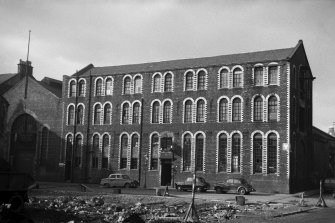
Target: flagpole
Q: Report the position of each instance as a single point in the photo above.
(26, 74)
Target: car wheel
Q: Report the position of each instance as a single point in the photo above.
(218, 190)
(127, 185)
(179, 188)
(242, 191)
(106, 185)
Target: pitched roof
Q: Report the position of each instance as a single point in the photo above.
(252, 57)
(4, 77)
(52, 85)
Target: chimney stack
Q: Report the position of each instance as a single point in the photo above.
(24, 67)
(331, 131)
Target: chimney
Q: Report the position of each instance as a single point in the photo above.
(331, 131)
(23, 66)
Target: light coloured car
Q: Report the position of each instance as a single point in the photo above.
(118, 180)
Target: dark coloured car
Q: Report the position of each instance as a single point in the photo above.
(329, 185)
(235, 185)
(200, 184)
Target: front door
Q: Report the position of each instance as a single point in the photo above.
(166, 172)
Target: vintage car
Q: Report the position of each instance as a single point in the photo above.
(118, 180)
(201, 185)
(236, 185)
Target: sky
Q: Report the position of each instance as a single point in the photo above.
(67, 35)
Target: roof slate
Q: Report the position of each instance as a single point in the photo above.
(4, 77)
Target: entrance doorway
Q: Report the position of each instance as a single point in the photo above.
(166, 172)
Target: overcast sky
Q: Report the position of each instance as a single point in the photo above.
(68, 35)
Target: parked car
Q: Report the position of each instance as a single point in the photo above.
(200, 184)
(118, 180)
(329, 185)
(236, 185)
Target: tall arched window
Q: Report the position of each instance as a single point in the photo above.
(125, 113)
(98, 87)
(72, 89)
(224, 78)
(201, 111)
(124, 150)
(154, 152)
(77, 158)
(155, 112)
(222, 153)
(187, 152)
(199, 152)
(70, 117)
(157, 83)
(223, 110)
(105, 151)
(272, 108)
(95, 151)
(109, 86)
(134, 152)
(80, 115)
(107, 114)
(237, 110)
(235, 156)
(272, 153)
(168, 82)
(137, 85)
(257, 153)
(258, 108)
(201, 80)
(97, 114)
(258, 76)
(188, 111)
(127, 85)
(189, 81)
(237, 77)
(167, 112)
(81, 88)
(136, 113)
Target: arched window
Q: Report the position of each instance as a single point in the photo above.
(167, 112)
(138, 85)
(201, 80)
(168, 82)
(127, 85)
(98, 87)
(125, 113)
(72, 89)
(223, 110)
(235, 156)
(70, 117)
(157, 83)
(77, 158)
(80, 115)
(155, 112)
(95, 151)
(237, 111)
(258, 76)
(154, 152)
(222, 153)
(136, 113)
(224, 78)
(189, 81)
(134, 152)
(105, 151)
(107, 114)
(188, 112)
(272, 153)
(187, 152)
(273, 108)
(201, 111)
(273, 75)
(257, 153)
(124, 150)
(97, 114)
(81, 88)
(44, 144)
(199, 152)
(109, 86)
(258, 108)
(237, 78)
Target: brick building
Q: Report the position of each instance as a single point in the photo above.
(246, 115)
(31, 113)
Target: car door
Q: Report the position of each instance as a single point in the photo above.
(236, 184)
(188, 183)
(230, 185)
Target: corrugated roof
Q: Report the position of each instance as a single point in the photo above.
(4, 77)
(242, 58)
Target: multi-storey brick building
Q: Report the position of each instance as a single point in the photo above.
(246, 115)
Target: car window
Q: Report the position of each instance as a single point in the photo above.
(236, 181)
(112, 176)
(230, 181)
(189, 179)
(118, 177)
(125, 177)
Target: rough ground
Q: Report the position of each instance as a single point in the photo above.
(77, 206)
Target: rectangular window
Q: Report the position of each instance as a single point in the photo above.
(273, 73)
(259, 76)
